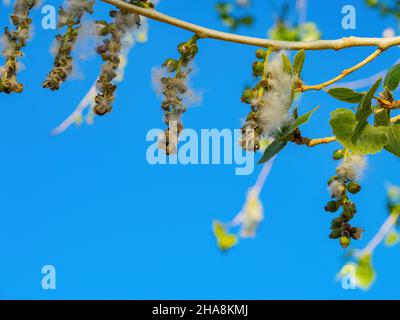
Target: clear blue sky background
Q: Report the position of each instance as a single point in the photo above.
(115, 227)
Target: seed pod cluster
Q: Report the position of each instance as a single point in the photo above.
(110, 52)
(69, 17)
(340, 186)
(174, 88)
(252, 129)
(270, 99)
(14, 42)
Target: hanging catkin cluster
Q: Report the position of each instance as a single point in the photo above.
(13, 42)
(177, 94)
(270, 100)
(110, 51)
(69, 17)
(344, 182)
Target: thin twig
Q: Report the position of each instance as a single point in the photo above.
(318, 141)
(345, 72)
(365, 82)
(315, 142)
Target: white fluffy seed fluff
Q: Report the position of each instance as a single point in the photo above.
(192, 97)
(251, 214)
(352, 167)
(337, 189)
(276, 101)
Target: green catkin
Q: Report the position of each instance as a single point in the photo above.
(15, 40)
(174, 88)
(110, 50)
(69, 17)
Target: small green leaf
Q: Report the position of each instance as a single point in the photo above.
(272, 150)
(225, 240)
(369, 140)
(287, 65)
(365, 273)
(299, 62)
(392, 238)
(392, 78)
(393, 145)
(365, 108)
(303, 119)
(346, 95)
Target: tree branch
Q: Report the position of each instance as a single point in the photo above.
(202, 32)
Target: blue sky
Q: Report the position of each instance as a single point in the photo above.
(115, 227)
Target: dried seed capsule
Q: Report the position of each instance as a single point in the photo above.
(258, 68)
(336, 223)
(332, 206)
(261, 54)
(356, 233)
(354, 188)
(347, 216)
(247, 96)
(171, 65)
(335, 234)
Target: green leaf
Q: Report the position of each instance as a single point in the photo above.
(365, 108)
(382, 118)
(287, 65)
(225, 240)
(299, 62)
(393, 145)
(365, 273)
(392, 78)
(272, 150)
(360, 127)
(303, 119)
(392, 238)
(369, 140)
(346, 95)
